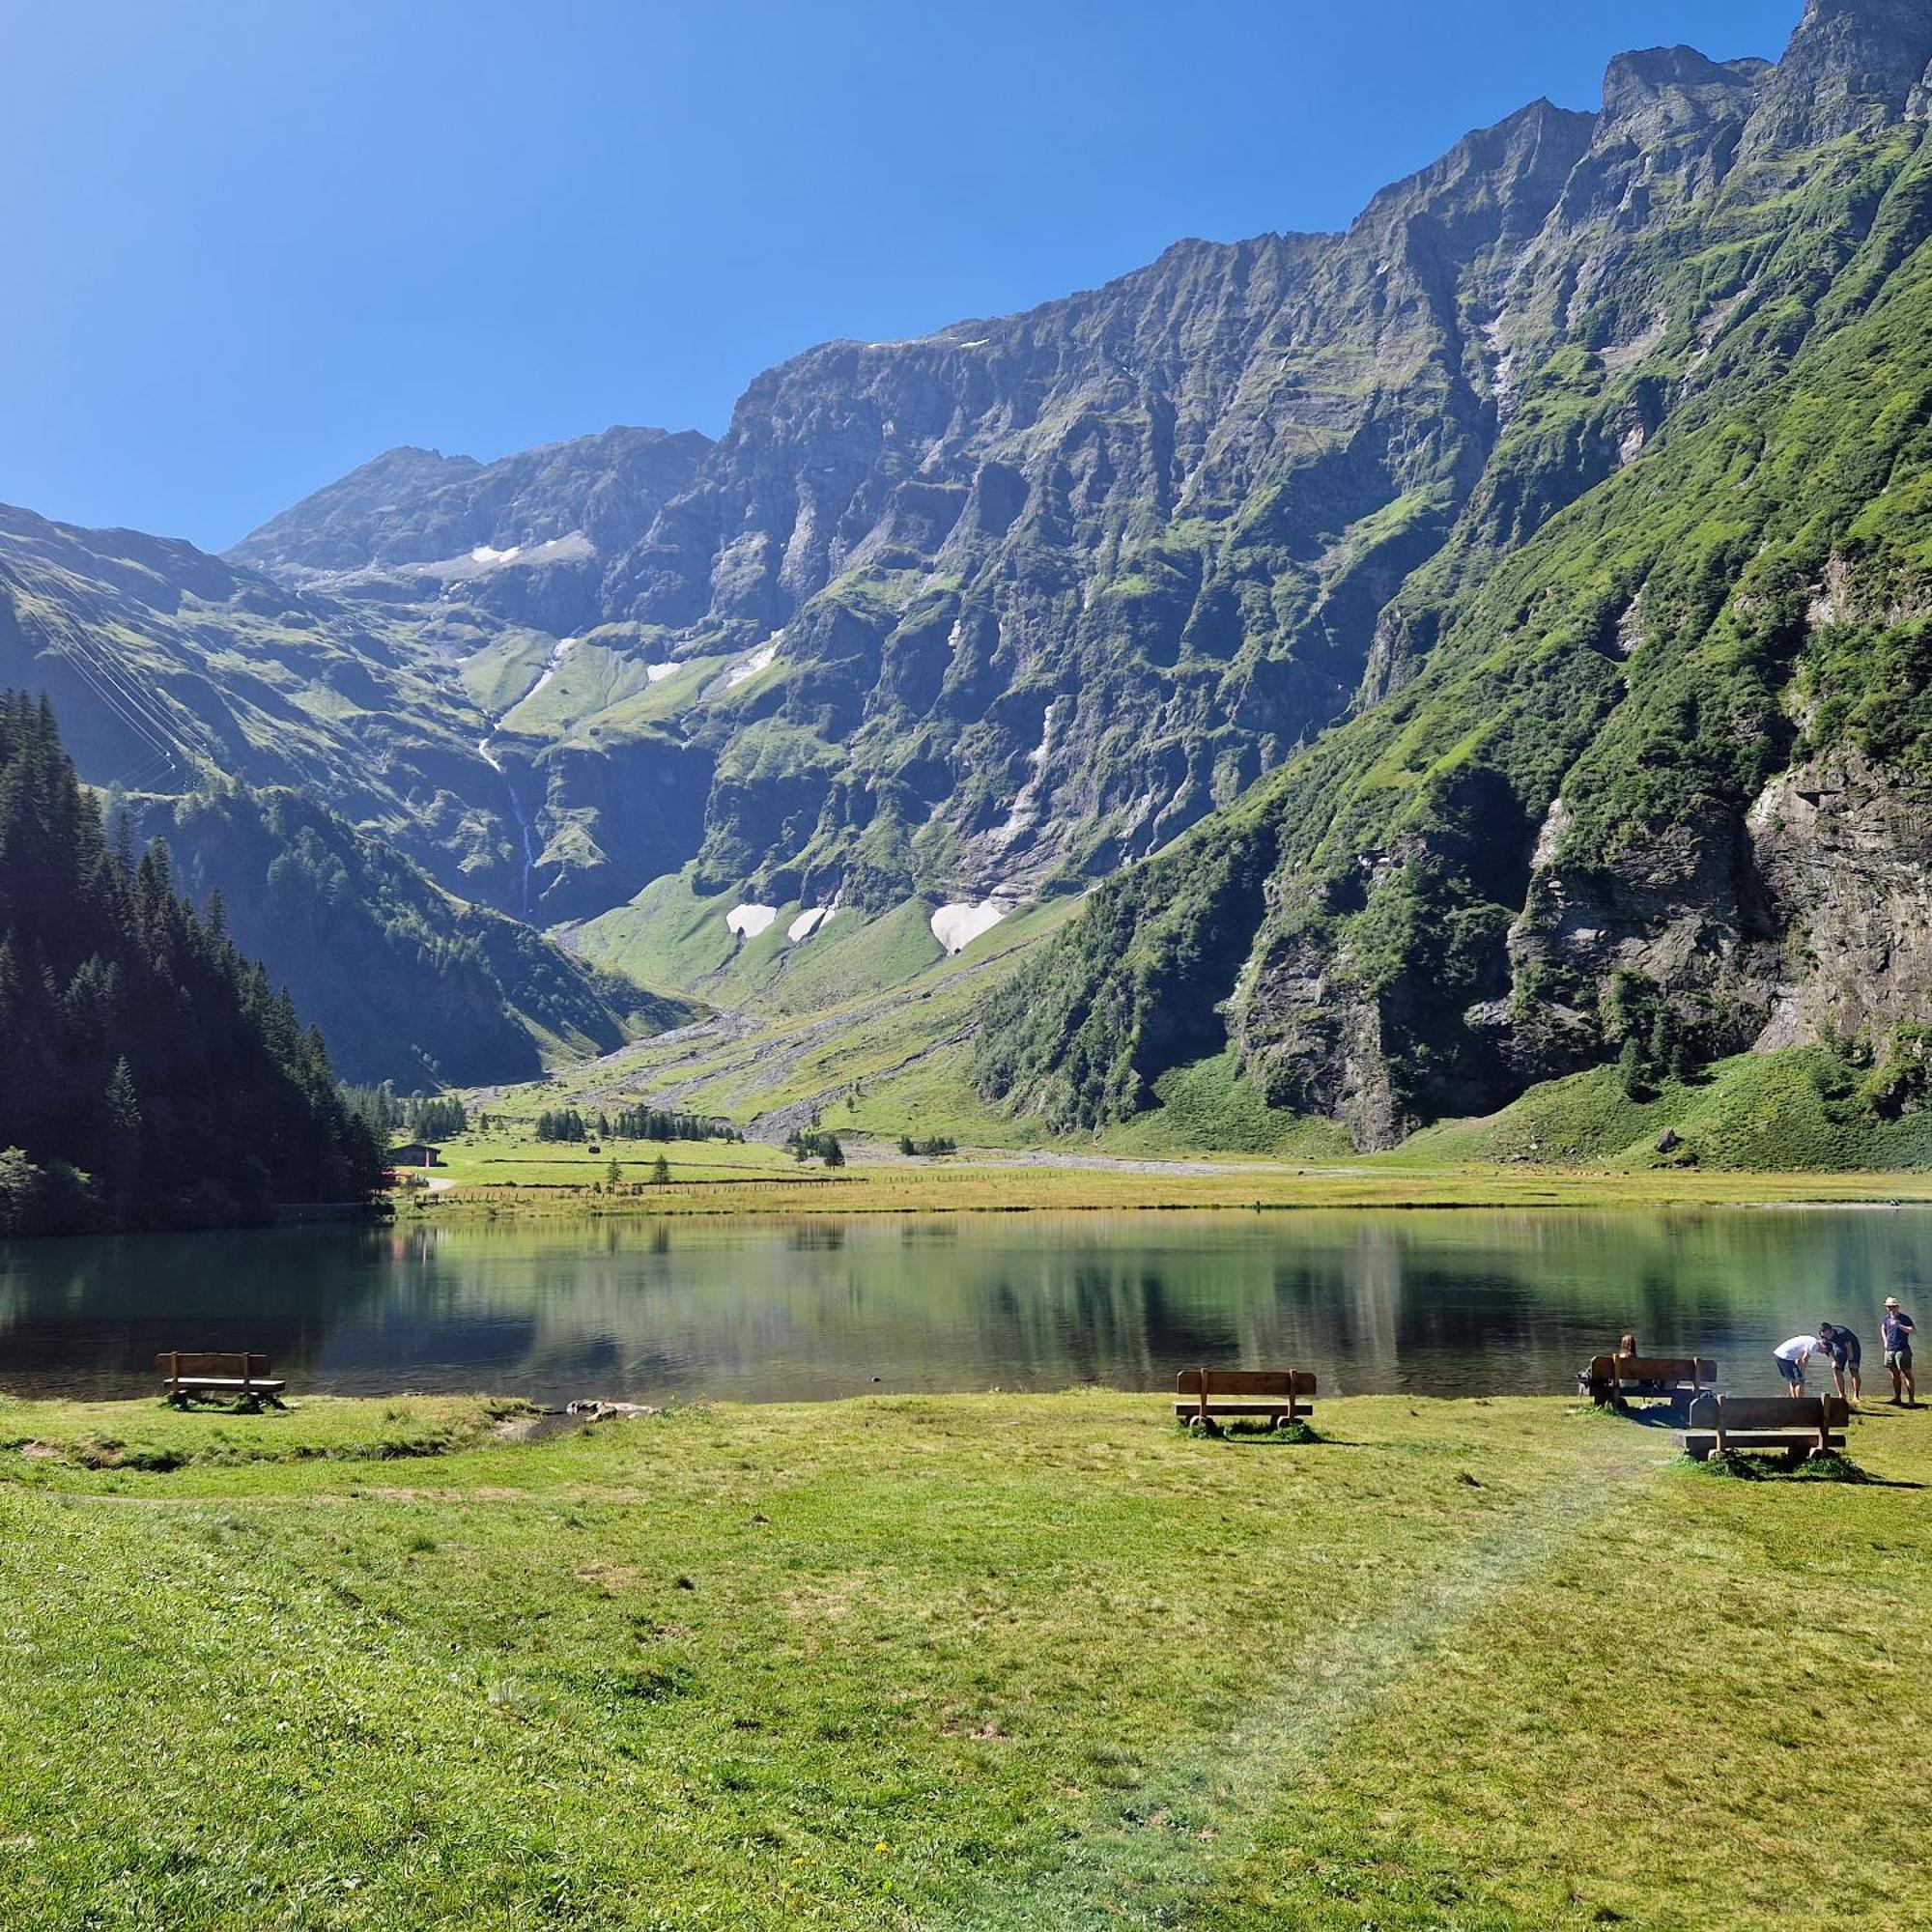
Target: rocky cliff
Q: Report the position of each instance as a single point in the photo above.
(1638, 770)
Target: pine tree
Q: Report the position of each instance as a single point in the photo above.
(1630, 1068)
(135, 1043)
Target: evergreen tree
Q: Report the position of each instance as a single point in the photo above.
(1630, 1068)
(148, 1075)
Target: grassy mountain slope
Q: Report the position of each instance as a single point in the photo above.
(170, 667)
(1649, 781)
(413, 985)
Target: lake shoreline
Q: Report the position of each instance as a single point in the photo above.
(1026, 1186)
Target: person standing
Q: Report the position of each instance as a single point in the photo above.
(1847, 1359)
(1895, 1331)
(1791, 1357)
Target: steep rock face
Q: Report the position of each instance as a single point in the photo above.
(527, 538)
(647, 792)
(1057, 585)
(1843, 847)
(1596, 801)
(1040, 592)
(1853, 65)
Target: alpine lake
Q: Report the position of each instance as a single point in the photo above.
(1465, 1302)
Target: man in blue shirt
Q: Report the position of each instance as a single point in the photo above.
(1897, 1329)
(1847, 1359)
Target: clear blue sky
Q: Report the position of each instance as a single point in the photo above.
(251, 242)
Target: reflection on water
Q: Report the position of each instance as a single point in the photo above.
(1447, 1303)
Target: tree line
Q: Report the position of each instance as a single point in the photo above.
(632, 1123)
(419, 1116)
(149, 1076)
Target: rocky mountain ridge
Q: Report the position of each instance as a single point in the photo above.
(1644, 775)
(1006, 609)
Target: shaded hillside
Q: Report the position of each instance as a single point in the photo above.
(170, 667)
(1649, 782)
(406, 982)
(149, 1077)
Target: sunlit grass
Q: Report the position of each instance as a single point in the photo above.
(964, 1661)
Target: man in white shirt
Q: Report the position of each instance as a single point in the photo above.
(1791, 1357)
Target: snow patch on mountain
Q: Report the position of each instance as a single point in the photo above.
(957, 926)
(749, 920)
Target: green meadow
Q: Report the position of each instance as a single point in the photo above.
(966, 1661)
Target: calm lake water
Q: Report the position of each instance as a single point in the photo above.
(1435, 1303)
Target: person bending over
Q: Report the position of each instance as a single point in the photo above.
(1847, 1359)
(1791, 1357)
(1895, 1330)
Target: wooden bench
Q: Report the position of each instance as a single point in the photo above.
(1617, 1379)
(1282, 1395)
(1801, 1426)
(184, 1376)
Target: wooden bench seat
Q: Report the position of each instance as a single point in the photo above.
(1797, 1427)
(1282, 1395)
(184, 1376)
(1617, 1378)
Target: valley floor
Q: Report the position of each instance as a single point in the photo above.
(965, 1661)
(505, 1174)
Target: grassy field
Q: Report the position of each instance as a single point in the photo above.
(504, 1171)
(969, 1661)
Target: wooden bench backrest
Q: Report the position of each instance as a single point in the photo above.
(1772, 1412)
(253, 1368)
(1652, 1369)
(1245, 1381)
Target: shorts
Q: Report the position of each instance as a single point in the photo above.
(1899, 1358)
(1792, 1372)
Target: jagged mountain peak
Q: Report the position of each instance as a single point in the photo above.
(1514, 170)
(1633, 79)
(528, 536)
(1850, 64)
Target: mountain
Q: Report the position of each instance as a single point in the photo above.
(527, 538)
(1509, 604)
(170, 668)
(222, 708)
(149, 1077)
(407, 982)
(1642, 766)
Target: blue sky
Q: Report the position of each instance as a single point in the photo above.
(251, 242)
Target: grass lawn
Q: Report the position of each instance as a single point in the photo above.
(964, 1661)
